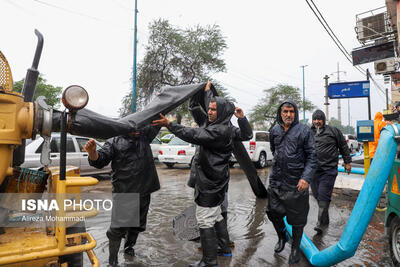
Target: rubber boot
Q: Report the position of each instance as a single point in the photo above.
(130, 242)
(323, 216)
(295, 253)
(279, 226)
(325, 212)
(208, 240)
(223, 239)
(230, 242)
(113, 248)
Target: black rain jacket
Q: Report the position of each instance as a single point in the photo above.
(294, 153)
(215, 142)
(132, 163)
(329, 141)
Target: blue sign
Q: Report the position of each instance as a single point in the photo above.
(348, 89)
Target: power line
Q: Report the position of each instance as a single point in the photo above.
(339, 44)
(344, 48)
(337, 39)
(81, 14)
(333, 36)
(66, 10)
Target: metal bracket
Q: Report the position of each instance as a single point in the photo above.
(396, 138)
(45, 131)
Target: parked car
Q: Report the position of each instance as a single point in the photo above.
(258, 149)
(352, 142)
(155, 147)
(167, 138)
(176, 151)
(76, 156)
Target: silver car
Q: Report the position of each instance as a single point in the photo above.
(76, 156)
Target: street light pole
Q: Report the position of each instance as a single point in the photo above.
(304, 97)
(134, 61)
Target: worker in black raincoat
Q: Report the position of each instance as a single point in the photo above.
(196, 104)
(329, 141)
(215, 142)
(133, 171)
(294, 164)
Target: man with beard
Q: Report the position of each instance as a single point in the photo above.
(212, 170)
(329, 141)
(133, 171)
(292, 145)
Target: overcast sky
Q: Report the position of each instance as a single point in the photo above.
(90, 43)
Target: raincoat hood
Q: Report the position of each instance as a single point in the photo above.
(378, 116)
(225, 110)
(319, 115)
(296, 111)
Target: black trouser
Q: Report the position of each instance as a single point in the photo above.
(322, 184)
(292, 204)
(117, 233)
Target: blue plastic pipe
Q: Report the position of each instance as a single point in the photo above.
(353, 170)
(363, 208)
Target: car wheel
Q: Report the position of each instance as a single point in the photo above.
(262, 160)
(169, 165)
(394, 240)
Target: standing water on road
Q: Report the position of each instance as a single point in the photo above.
(248, 225)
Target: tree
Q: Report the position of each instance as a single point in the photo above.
(52, 93)
(263, 115)
(177, 57)
(344, 129)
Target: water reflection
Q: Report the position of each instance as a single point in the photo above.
(248, 226)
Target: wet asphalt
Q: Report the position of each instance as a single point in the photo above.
(248, 225)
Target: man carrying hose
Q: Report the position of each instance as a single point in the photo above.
(215, 142)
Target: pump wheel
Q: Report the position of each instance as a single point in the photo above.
(394, 240)
(74, 260)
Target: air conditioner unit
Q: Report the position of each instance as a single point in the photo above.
(372, 27)
(384, 66)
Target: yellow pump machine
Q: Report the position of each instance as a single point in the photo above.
(20, 119)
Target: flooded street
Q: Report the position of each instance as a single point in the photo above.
(248, 225)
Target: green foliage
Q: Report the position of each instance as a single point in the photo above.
(264, 113)
(174, 57)
(164, 133)
(344, 129)
(52, 93)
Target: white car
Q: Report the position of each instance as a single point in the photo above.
(155, 147)
(352, 142)
(176, 151)
(258, 149)
(76, 156)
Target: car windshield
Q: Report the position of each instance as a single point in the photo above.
(177, 142)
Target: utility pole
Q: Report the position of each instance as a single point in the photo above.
(134, 61)
(387, 99)
(369, 98)
(348, 116)
(304, 97)
(339, 105)
(326, 99)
